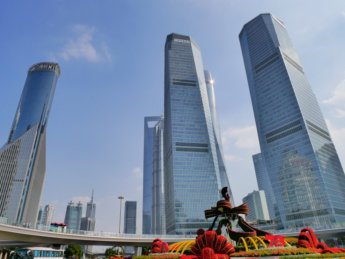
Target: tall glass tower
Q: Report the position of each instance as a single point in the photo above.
(216, 131)
(302, 164)
(192, 159)
(130, 217)
(89, 221)
(73, 215)
(153, 198)
(22, 159)
(264, 182)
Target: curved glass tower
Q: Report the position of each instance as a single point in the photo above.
(216, 131)
(192, 159)
(301, 161)
(22, 159)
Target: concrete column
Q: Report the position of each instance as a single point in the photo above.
(138, 250)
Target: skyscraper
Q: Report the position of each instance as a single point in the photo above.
(89, 221)
(47, 215)
(22, 159)
(257, 204)
(302, 164)
(216, 131)
(73, 215)
(153, 202)
(39, 216)
(264, 182)
(130, 217)
(192, 159)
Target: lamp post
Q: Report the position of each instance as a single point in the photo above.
(120, 198)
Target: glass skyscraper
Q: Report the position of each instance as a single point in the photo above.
(73, 215)
(153, 201)
(257, 204)
(264, 182)
(193, 166)
(89, 221)
(47, 215)
(302, 164)
(22, 159)
(130, 217)
(216, 131)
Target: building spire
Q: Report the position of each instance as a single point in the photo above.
(92, 196)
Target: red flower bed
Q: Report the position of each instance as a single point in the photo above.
(209, 245)
(308, 239)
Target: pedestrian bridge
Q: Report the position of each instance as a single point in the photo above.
(12, 235)
(20, 236)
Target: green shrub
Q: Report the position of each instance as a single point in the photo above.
(158, 256)
(314, 256)
(274, 252)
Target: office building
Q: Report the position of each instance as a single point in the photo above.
(47, 215)
(149, 123)
(153, 201)
(22, 158)
(192, 160)
(258, 210)
(158, 205)
(130, 217)
(73, 215)
(89, 221)
(264, 182)
(39, 216)
(303, 167)
(91, 208)
(216, 131)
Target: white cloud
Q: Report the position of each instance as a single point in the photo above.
(338, 137)
(242, 138)
(339, 113)
(230, 157)
(83, 46)
(338, 95)
(239, 145)
(137, 172)
(336, 102)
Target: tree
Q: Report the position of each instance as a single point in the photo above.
(113, 251)
(73, 251)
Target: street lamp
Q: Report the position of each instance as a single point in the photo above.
(120, 198)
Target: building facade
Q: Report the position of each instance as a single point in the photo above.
(216, 132)
(158, 202)
(47, 215)
(88, 222)
(303, 167)
(258, 210)
(153, 194)
(22, 158)
(264, 182)
(73, 215)
(130, 217)
(192, 164)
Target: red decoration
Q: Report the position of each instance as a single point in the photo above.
(275, 240)
(308, 239)
(209, 245)
(158, 246)
(207, 253)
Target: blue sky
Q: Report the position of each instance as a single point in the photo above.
(111, 55)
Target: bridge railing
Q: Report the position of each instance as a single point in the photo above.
(328, 227)
(46, 228)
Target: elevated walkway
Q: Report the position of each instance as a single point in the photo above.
(14, 234)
